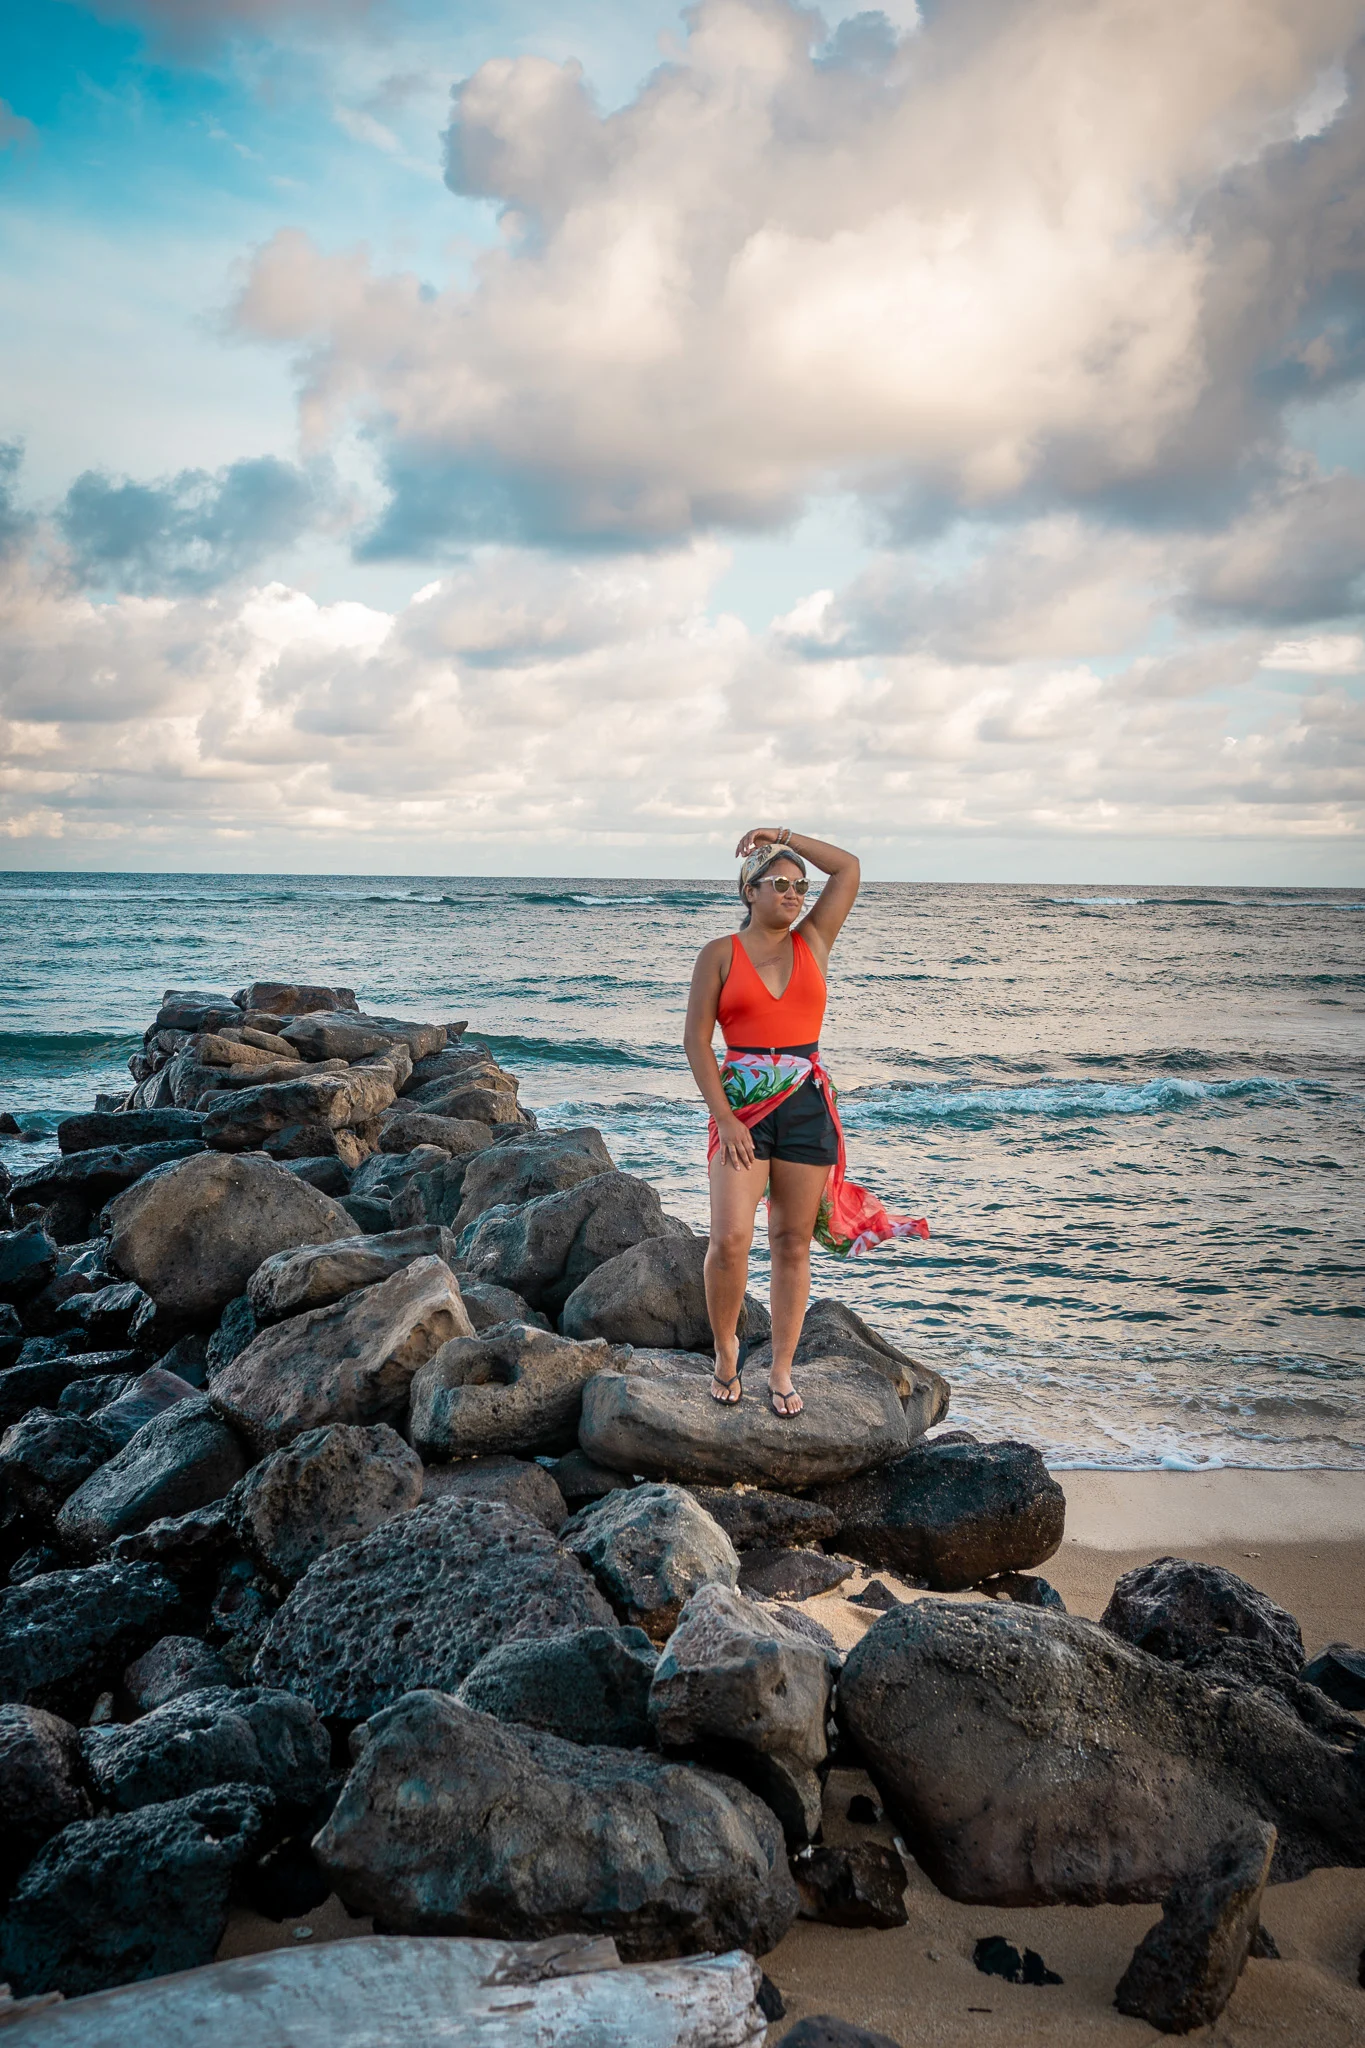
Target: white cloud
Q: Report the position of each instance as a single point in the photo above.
(1325, 654)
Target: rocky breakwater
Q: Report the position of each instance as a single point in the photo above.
(367, 1528)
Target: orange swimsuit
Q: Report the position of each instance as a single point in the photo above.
(753, 1019)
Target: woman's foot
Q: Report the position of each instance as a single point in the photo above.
(727, 1384)
(786, 1402)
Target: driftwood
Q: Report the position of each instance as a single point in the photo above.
(423, 1992)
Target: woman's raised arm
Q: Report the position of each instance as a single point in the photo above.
(824, 921)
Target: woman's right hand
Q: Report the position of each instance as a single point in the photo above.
(736, 1141)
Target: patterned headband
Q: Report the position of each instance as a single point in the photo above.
(761, 859)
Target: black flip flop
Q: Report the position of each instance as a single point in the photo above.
(736, 1379)
(785, 1414)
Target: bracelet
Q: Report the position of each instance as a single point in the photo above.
(784, 835)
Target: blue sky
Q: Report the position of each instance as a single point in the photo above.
(943, 432)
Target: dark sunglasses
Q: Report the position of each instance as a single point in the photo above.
(781, 883)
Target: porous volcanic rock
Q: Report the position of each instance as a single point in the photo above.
(65, 1636)
(952, 1514)
(174, 1665)
(93, 1129)
(182, 1459)
(791, 1574)
(293, 998)
(524, 1169)
(352, 1362)
(28, 1260)
(489, 1304)
(1181, 1611)
(731, 1673)
(654, 1295)
(589, 1687)
(519, 1483)
(192, 1234)
(350, 1035)
(1339, 1671)
(755, 1519)
(452, 1822)
(42, 1788)
(649, 1550)
(47, 1454)
(512, 1388)
(1184, 1970)
(326, 1487)
(111, 1901)
(1031, 1758)
(831, 1333)
(403, 1130)
(316, 1275)
(218, 1735)
(658, 1418)
(419, 1602)
(859, 1887)
(244, 1119)
(544, 1248)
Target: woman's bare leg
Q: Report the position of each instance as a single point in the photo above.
(794, 1204)
(736, 1192)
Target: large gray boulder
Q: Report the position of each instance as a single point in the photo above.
(402, 1130)
(1030, 1758)
(544, 1248)
(512, 1388)
(352, 1362)
(283, 999)
(66, 1636)
(653, 1295)
(88, 1179)
(42, 1785)
(658, 1418)
(522, 1170)
(182, 1459)
(952, 1514)
(589, 1687)
(832, 1333)
(92, 1129)
(352, 1035)
(1190, 1614)
(192, 1234)
(419, 1602)
(453, 1823)
(519, 1483)
(649, 1550)
(731, 1673)
(242, 1120)
(328, 1486)
(315, 1275)
(111, 1901)
(219, 1735)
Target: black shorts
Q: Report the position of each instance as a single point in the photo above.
(800, 1129)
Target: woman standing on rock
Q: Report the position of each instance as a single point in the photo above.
(774, 1118)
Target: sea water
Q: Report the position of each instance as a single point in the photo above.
(1135, 1118)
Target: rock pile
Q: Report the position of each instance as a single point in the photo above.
(366, 1525)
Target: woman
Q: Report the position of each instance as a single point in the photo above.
(774, 1121)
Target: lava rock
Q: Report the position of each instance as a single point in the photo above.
(404, 1129)
(325, 1173)
(314, 1276)
(544, 1248)
(108, 1318)
(649, 1550)
(996, 1957)
(731, 1673)
(28, 1260)
(791, 1574)
(84, 1397)
(859, 1887)
(328, 1486)
(352, 1362)
(236, 1328)
(114, 1901)
(65, 1636)
(452, 1822)
(1024, 1587)
(248, 1119)
(347, 1034)
(589, 1687)
(952, 1513)
(1183, 1971)
(658, 1418)
(756, 1520)
(41, 1785)
(489, 1304)
(11, 1335)
(293, 998)
(1179, 1610)
(93, 1177)
(180, 1460)
(822, 2030)
(286, 1883)
(832, 1334)
(654, 1294)
(518, 1483)
(185, 1546)
(193, 1234)
(1339, 1671)
(514, 1388)
(215, 1736)
(1031, 1758)
(93, 1130)
(172, 1667)
(419, 1602)
(47, 1455)
(245, 1603)
(581, 1481)
(153, 1393)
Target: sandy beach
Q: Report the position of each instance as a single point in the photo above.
(1300, 1538)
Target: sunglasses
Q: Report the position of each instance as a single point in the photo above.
(783, 883)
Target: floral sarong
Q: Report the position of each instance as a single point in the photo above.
(850, 1221)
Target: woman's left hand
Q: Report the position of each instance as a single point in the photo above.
(757, 835)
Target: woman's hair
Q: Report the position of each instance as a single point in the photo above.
(756, 867)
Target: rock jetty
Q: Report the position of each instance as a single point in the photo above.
(366, 1528)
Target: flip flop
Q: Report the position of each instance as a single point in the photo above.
(728, 1400)
(785, 1414)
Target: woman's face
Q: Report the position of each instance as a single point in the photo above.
(777, 908)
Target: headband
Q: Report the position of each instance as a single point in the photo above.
(761, 859)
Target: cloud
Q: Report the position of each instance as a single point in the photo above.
(15, 523)
(1297, 553)
(16, 132)
(1053, 255)
(189, 532)
(1325, 654)
(192, 28)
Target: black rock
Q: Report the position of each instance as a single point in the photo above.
(142, 1400)
(28, 1260)
(41, 1788)
(65, 1637)
(1263, 1949)
(87, 1396)
(1339, 1671)
(92, 1178)
(182, 1459)
(93, 1130)
(326, 1174)
(215, 1736)
(114, 1901)
(11, 1335)
(487, 1304)
(187, 1359)
(419, 1602)
(173, 1666)
(876, 1595)
(996, 1957)
(754, 1519)
(1184, 1970)
(860, 1887)
(1026, 1588)
(791, 1574)
(245, 1603)
(286, 1883)
(589, 1687)
(822, 2030)
(542, 1249)
(371, 1216)
(952, 1514)
(236, 1327)
(1179, 1610)
(862, 1811)
(104, 1319)
(40, 1379)
(520, 1483)
(769, 2000)
(523, 1171)
(189, 1546)
(582, 1481)
(48, 1454)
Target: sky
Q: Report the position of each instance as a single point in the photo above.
(531, 438)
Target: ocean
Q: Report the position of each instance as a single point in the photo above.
(1135, 1117)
